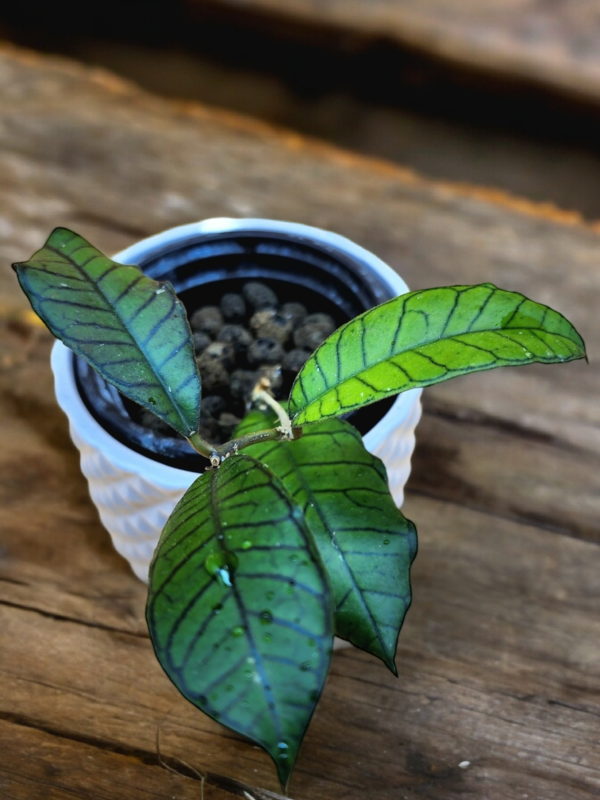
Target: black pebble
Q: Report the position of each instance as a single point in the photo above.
(227, 424)
(295, 360)
(243, 382)
(237, 336)
(214, 375)
(223, 352)
(201, 341)
(324, 321)
(207, 319)
(259, 295)
(270, 324)
(210, 431)
(233, 307)
(265, 351)
(309, 337)
(294, 312)
(212, 405)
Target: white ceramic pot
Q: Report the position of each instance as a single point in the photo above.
(134, 493)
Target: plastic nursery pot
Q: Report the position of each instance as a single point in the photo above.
(136, 477)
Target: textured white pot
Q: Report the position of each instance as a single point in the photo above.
(135, 494)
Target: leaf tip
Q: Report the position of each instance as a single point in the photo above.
(391, 665)
(284, 769)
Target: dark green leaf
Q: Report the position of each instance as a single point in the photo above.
(239, 609)
(366, 544)
(427, 337)
(133, 330)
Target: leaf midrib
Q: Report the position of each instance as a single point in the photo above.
(433, 340)
(268, 692)
(335, 544)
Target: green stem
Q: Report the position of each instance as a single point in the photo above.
(271, 435)
(216, 454)
(200, 445)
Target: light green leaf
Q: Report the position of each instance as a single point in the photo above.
(132, 330)
(426, 337)
(239, 608)
(366, 544)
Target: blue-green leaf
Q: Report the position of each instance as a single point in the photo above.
(426, 337)
(366, 544)
(132, 330)
(239, 608)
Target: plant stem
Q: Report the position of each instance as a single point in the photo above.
(261, 394)
(200, 445)
(271, 435)
(216, 454)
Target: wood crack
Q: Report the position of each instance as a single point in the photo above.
(14, 581)
(74, 620)
(471, 416)
(518, 516)
(147, 757)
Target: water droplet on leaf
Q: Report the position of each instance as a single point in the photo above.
(238, 630)
(283, 750)
(222, 566)
(266, 618)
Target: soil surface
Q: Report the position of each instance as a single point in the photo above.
(247, 337)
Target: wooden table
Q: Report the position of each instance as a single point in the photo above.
(499, 660)
(555, 45)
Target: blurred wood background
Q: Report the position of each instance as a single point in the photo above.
(499, 660)
(501, 94)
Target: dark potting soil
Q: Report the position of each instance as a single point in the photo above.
(247, 336)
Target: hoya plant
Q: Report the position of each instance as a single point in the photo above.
(291, 535)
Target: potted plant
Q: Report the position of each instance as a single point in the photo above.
(135, 476)
(291, 535)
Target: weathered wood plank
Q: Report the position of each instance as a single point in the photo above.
(484, 462)
(499, 659)
(498, 665)
(554, 45)
(39, 764)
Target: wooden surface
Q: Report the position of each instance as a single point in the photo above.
(499, 660)
(549, 43)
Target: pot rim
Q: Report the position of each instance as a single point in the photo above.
(84, 424)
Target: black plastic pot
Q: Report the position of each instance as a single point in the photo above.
(324, 271)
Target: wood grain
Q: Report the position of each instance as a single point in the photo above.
(499, 661)
(549, 44)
